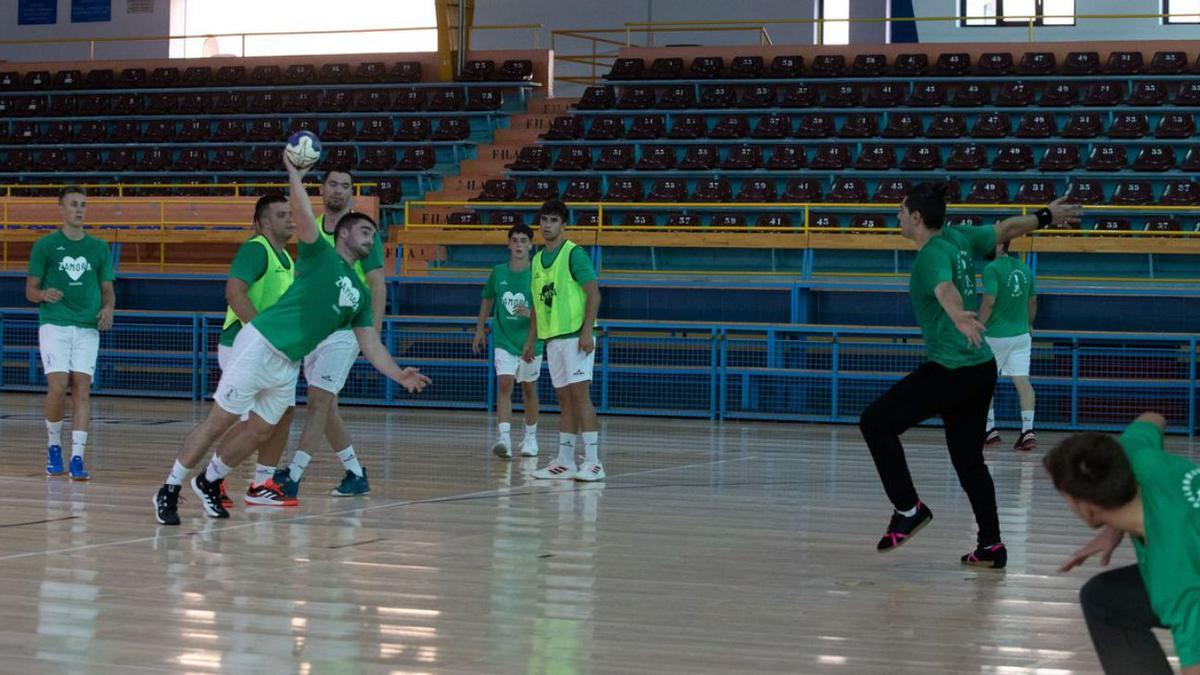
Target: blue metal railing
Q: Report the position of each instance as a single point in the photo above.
(704, 370)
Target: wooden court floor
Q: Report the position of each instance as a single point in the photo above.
(711, 548)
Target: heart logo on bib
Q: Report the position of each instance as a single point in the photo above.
(513, 301)
(348, 295)
(74, 267)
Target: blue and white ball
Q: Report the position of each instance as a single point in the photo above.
(303, 149)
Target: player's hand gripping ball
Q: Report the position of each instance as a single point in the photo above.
(303, 149)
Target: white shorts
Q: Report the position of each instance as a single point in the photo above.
(507, 364)
(328, 365)
(68, 349)
(568, 365)
(223, 353)
(1012, 354)
(258, 379)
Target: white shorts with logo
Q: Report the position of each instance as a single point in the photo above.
(68, 349)
(568, 365)
(1012, 354)
(257, 378)
(507, 364)
(328, 365)
(223, 354)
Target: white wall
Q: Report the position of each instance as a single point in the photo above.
(1089, 30)
(122, 24)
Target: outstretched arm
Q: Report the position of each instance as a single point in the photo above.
(302, 213)
(1153, 418)
(1019, 226)
(409, 378)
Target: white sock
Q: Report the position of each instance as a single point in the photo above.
(505, 431)
(531, 431)
(263, 473)
(909, 513)
(1026, 420)
(991, 423)
(591, 446)
(54, 432)
(566, 449)
(299, 463)
(216, 470)
(350, 462)
(178, 474)
(78, 443)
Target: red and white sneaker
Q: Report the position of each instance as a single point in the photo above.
(226, 500)
(556, 470)
(1027, 441)
(590, 472)
(992, 439)
(269, 493)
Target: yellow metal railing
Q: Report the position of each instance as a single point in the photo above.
(91, 42)
(600, 53)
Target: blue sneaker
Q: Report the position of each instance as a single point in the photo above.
(352, 485)
(290, 488)
(78, 472)
(54, 465)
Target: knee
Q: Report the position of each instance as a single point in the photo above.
(1093, 594)
(319, 400)
(56, 390)
(871, 419)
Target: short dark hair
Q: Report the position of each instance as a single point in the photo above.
(338, 169)
(1092, 467)
(929, 200)
(553, 207)
(350, 219)
(264, 202)
(71, 189)
(521, 228)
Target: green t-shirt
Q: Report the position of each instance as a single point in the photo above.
(77, 268)
(326, 297)
(510, 290)
(374, 259)
(1169, 557)
(1010, 282)
(949, 256)
(581, 270)
(249, 265)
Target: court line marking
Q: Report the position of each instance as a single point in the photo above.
(508, 490)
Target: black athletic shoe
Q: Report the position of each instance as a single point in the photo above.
(992, 439)
(210, 496)
(166, 504)
(902, 527)
(994, 556)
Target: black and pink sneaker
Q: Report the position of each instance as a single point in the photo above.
(903, 527)
(1027, 442)
(994, 556)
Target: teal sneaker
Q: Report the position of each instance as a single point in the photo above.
(290, 488)
(54, 463)
(352, 485)
(78, 472)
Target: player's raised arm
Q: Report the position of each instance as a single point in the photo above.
(377, 355)
(302, 213)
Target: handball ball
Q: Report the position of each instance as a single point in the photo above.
(303, 149)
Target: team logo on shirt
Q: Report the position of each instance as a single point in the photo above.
(547, 295)
(514, 301)
(1017, 282)
(348, 295)
(74, 267)
(1191, 491)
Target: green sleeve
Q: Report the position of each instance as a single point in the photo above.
(308, 251)
(983, 239)
(991, 281)
(374, 259)
(249, 263)
(933, 267)
(364, 318)
(489, 288)
(1186, 633)
(581, 266)
(1141, 436)
(37, 259)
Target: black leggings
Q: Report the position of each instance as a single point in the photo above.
(961, 397)
(1119, 617)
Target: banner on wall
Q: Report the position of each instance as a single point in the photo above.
(37, 12)
(90, 11)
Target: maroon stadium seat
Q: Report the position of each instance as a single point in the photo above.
(413, 129)
(1081, 63)
(376, 129)
(1083, 125)
(615, 158)
(688, 127)
(921, 157)
(902, 125)
(1015, 95)
(1154, 158)
(798, 96)
(758, 96)
(869, 65)
(1112, 224)
(668, 190)
(831, 157)
(746, 67)
(484, 99)
(584, 190)
(712, 190)
(539, 190)
(1162, 224)
(647, 127)
(1060, 95)
(1180, 193)
(773, 220)
(417, 158)
(743, 157)
(786, 158)
(656, 158)
(730, 126)
(817, 125)
(1129, 125)
(530, 158)
(773, 126)
(605, 129)
(677, 97)
(1104, 94)
(885, 95)
(405, 72)
(408, 99)
(860, 125)
(843, 96)
(1035, 192)
(447, 99)
(1175, 125)
(828, 65)
(718, 96)
(892, 190)
(564, 128)
(497, 190)
(1148, 93)
(665, 68)
(987, 192)
(947, 125)
(477, 71)
(995, 64)
(515, 70)
(1060, 157)
(1037, 63)
(787, 66)
(848, 190)
(573, 159)
(802, 190)
(971, 94)
(633, 97)
(911, 65)
(699, 158)
(1085, 192)
(1036, 125)
(870, 222)
(992, 125)
(1132, 193)
(876, 157)
(1123, 63)
(1168, 63)
(952, 65)
(927, 95)
(756, 191)
(1013, 157)
(627, 69)
(1106, 157)
(966, 157)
